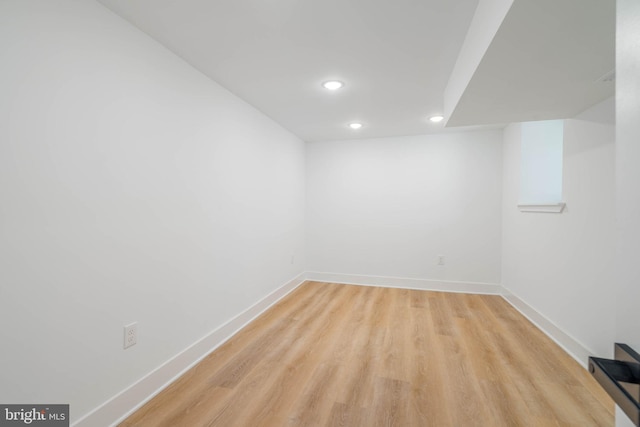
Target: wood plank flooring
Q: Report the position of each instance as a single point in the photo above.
(340, 355)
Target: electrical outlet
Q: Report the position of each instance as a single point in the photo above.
(130, 334)
(293, 259)
(440, 260)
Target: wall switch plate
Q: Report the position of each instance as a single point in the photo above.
(130, 334)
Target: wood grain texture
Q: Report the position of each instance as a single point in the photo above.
(340, 355)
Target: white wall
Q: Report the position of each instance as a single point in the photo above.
(627, 263)
(132, 188)
(389, 207)
(562, 264)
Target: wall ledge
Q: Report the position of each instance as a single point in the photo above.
(542, 207)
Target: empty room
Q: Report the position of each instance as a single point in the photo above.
(319, 213)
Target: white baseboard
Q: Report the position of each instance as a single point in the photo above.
(122, 405)
(569, 344)
(116, 409)
(406, 283)
(622, 419)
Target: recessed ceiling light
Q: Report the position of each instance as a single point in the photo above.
(355, 125)
(332, 85)
(436, 119)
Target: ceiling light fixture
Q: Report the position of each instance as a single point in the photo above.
(332, 85)
(436, 119)
(355, 125)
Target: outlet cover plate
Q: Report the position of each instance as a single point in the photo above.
(130, 334)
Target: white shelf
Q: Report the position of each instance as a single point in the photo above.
(542, 207)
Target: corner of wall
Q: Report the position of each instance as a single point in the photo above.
(569, 344)
(122, 405)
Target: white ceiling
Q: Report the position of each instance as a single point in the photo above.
(545, 60)
(395, 58)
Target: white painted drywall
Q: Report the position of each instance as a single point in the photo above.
(485, 24)
(562, 264)
(541, 162)
(627, 263)
(132, 188)
(388, 207)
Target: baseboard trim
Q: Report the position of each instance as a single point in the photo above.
(570, 345)
(406, 283)
(119, 407)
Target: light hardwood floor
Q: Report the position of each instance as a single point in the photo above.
(340, 355)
